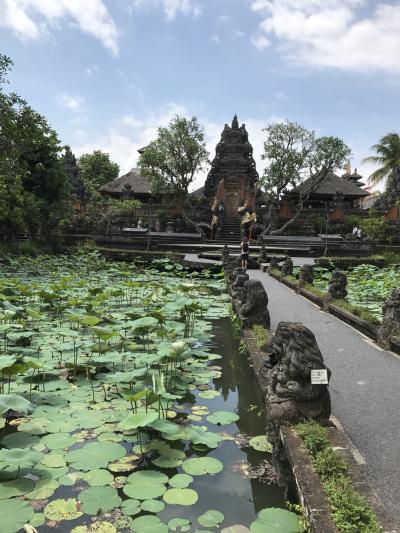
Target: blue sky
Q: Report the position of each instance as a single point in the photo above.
(107, 73)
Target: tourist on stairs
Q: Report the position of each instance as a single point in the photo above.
(244, 256)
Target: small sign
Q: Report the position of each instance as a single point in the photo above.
(319, 377)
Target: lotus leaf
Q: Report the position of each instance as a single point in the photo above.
(237, 528)
(149, 524)
(180, 481)
(52, 473)
(261, 443)
(135, 421)
(16, 487)
(54, 460)
(153, 506)
(98, 478)
(198, 466)
(95, 455)
(179, 524)
(16, 403)
(164, 426)
(19, 457)
(95, 527)
(58, 510)
(99, 499)
(207, 394)
(130, 507)
(276, 521)
(181, 496)
(222, 418)
(57, 441)
(211, 518)
(20, 440)
(36, 426)
(145, 485)
(44, 489)
(38, 520)
(63, 424)
(169, 458)
(15, 513)
(126, 464)
(194, 418)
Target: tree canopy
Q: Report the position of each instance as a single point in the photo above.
(172, 161)
(96, 169)
(388, 157)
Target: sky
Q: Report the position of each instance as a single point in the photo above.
(108, 73)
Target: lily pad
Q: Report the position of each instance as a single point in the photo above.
(58, 510)
(261, 443)
(198, 466)
(15, 403)
(20, 440)
(208, 394)
(96, 527)
(45, 488)
(180, 481)
(126, 464)
(181, 496)
(211, 518)
(135, 421)
(19, 457)
(15, 513)
(98, 478)
(153, 506)
(130, 507)
(149, 524)
(145, 485)
(169, 458)
(15, 487)
(222, 418)
(99, 499)
(276, 521)
(57, 441)
(95, 455)
(179, 524)
(54, 460)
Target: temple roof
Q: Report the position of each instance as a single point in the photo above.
(132, 181)
(330, 185)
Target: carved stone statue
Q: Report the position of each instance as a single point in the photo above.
(306, 275)
(254, 307)
(238, 284)
(291, 395)
(391, 320)
(263, 255)
(337, 286)
(230, 264)
(225, 253)
(274, 263)
(287, 267)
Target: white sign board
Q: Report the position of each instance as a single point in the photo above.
(319, 377)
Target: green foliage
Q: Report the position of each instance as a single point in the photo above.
(96, 169)
(375, 226)
(173, 159)
(388, 156)
(328, 463)
(314, 436)
(260, 334)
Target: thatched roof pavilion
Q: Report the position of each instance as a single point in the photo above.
(130, 185)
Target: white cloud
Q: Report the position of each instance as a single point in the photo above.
(260, 41)
(172, 8)
(73, 103)
(334, 33)
(215, 38)
(32, 19)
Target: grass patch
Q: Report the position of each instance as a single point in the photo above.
(361, 312)
(314, 290)
(351, 512)
(261, 335)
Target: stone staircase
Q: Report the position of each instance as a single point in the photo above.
(230, 230)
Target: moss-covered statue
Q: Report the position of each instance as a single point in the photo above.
(238, 284)
(291, 395)
(254, 307)
(337, 286)
(391, 320)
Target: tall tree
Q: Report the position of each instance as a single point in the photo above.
(388, 157)
(74, 176)
(172, 161)
(96, 169)
(294, 154)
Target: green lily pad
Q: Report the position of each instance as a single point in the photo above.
(38, 520)
(99, 499)
(222, 418)
(181, 496)
(19, 457)
(126, 464)
(58, 510)
(211, 518)
(180, 481)
(145, 485)
(58, 441)
(15, 513)
(276, 521)
(95, 455)
(138, 420)
(15, 403)
(149, 524)
(45, 488)
(98, 478)
(54, 460)
(194, 418)
(20, 440)
(170, 458)
(261, 444)
(237, 528)
(153, 506)
(208, 394)
(15, 487)
(130, 507)
(179, 524)
(198, 466)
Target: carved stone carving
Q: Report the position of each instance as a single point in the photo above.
(263, 255)
(337, 286)
(391, 320)
(225, 253)
(238, 284)
(306, 275)
(254, 306)
(274, 263)
(230, 264)
(291, 395)
(287, 267)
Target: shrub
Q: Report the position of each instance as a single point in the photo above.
(260, 334)
(375, 226)
(328, 464)
(314, 436)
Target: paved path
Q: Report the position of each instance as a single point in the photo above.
(365, 386)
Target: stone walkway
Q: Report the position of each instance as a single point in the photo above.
(365, 387)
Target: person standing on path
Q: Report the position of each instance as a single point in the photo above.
(244, 249)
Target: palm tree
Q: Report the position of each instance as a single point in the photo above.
(388, 156)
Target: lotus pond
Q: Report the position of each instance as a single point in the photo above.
(127, 405)
(368, 286)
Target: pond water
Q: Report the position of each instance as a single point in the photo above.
(120, 365)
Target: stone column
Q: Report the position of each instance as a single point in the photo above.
(391, 320)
